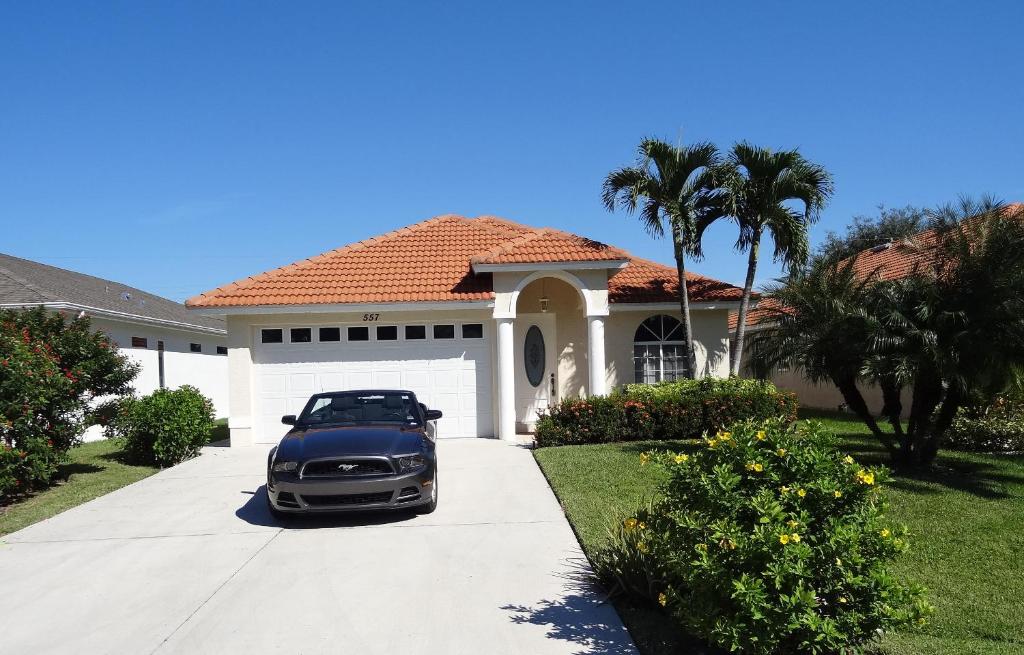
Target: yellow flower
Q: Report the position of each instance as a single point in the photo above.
(885, 533)
(837, 493)
(662, 599)
(842, 599)
(641, 525)
(795, 537)
(792, 523)
(783, 539)
(865, 477)
(801, 492)
(644, 458)
(681, 457)
(725, 436)
(712, 443)
(847, 460)
(760, 435)
(642, 546)
(839, 562)
(784, 489)
(630, 523)
(781, 452)
(758, 467)
(702, 548)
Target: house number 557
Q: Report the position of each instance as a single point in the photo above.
(371, 317)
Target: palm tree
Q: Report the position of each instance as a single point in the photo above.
(673, 185)
(816, 322)
(760, 185)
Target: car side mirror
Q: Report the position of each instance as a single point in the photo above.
(432, 414)
(289, 419)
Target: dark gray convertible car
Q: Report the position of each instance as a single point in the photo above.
(355, 450)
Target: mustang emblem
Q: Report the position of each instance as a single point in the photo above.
(345, 468)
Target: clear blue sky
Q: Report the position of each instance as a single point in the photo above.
(178, 146)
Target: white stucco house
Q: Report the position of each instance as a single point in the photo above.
(172, 345)
(487, 320)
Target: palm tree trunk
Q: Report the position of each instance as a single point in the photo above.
(684, 300)
(855, 401)
(736, 352)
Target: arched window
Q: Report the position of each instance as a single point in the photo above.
(658, 353)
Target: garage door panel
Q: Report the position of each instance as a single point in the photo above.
(452, 377)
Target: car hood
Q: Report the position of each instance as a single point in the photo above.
(314, 443)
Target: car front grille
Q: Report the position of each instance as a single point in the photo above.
(347, 499)
(346, 468)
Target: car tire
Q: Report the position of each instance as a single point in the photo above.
(428, 508)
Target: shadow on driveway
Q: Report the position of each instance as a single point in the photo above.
(582, 616)
(256, 512)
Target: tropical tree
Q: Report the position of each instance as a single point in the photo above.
(760, 188)
(671, 185)
(949, 331)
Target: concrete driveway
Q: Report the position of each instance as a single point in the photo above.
(190, 561)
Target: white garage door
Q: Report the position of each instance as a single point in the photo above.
(446, 365)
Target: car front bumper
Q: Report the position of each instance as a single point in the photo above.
(289, 493)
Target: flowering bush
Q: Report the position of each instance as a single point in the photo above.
(766, 540)
(998, 427)
(672, 410)
(165, 427)
(50, 370)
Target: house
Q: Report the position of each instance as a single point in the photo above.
(488, 320)
(172, 345)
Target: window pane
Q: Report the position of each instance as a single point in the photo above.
(444, 331)
(330, 334)
(301, 335)
(359, 333)
(415, 332)
(646, 364)
(472, 331)
(674, 362)
(222, 350)
(387, 332)
(140, 342)
(195, 347)
(273, 335)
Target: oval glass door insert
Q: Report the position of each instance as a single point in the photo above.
(533, 354)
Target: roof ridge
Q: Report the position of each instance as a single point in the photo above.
(302, 263)
(508, 245)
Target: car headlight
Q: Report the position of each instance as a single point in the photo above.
(285, 467)
(411, 463)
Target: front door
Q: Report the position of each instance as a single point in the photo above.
(535, 367)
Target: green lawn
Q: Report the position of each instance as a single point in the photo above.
(966, 521)
(94, 469)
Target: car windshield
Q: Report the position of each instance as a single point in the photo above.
(362, 407)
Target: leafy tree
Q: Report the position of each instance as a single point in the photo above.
(673, 185)
(869, 231)
(760, 186)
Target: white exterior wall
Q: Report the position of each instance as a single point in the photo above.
(207, 371)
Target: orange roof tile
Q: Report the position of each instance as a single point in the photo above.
(431, 261)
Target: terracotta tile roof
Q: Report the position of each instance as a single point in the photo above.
(547, 245)
(431, 261)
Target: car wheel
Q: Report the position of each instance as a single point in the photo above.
(432, 505)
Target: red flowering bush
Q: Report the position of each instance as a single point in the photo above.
(50, 371)
(673, 410)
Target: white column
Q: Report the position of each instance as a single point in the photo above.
(595, 355)
(506, 380)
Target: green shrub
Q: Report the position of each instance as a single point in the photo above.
(52, 368)
(669, 411)
(767, 540)
(998, 427)
(165, 427)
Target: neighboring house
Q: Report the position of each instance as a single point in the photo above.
(488, 320)
(172, 345)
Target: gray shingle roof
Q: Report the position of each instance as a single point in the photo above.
(25, 282)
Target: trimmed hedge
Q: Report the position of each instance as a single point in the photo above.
(670, 410)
